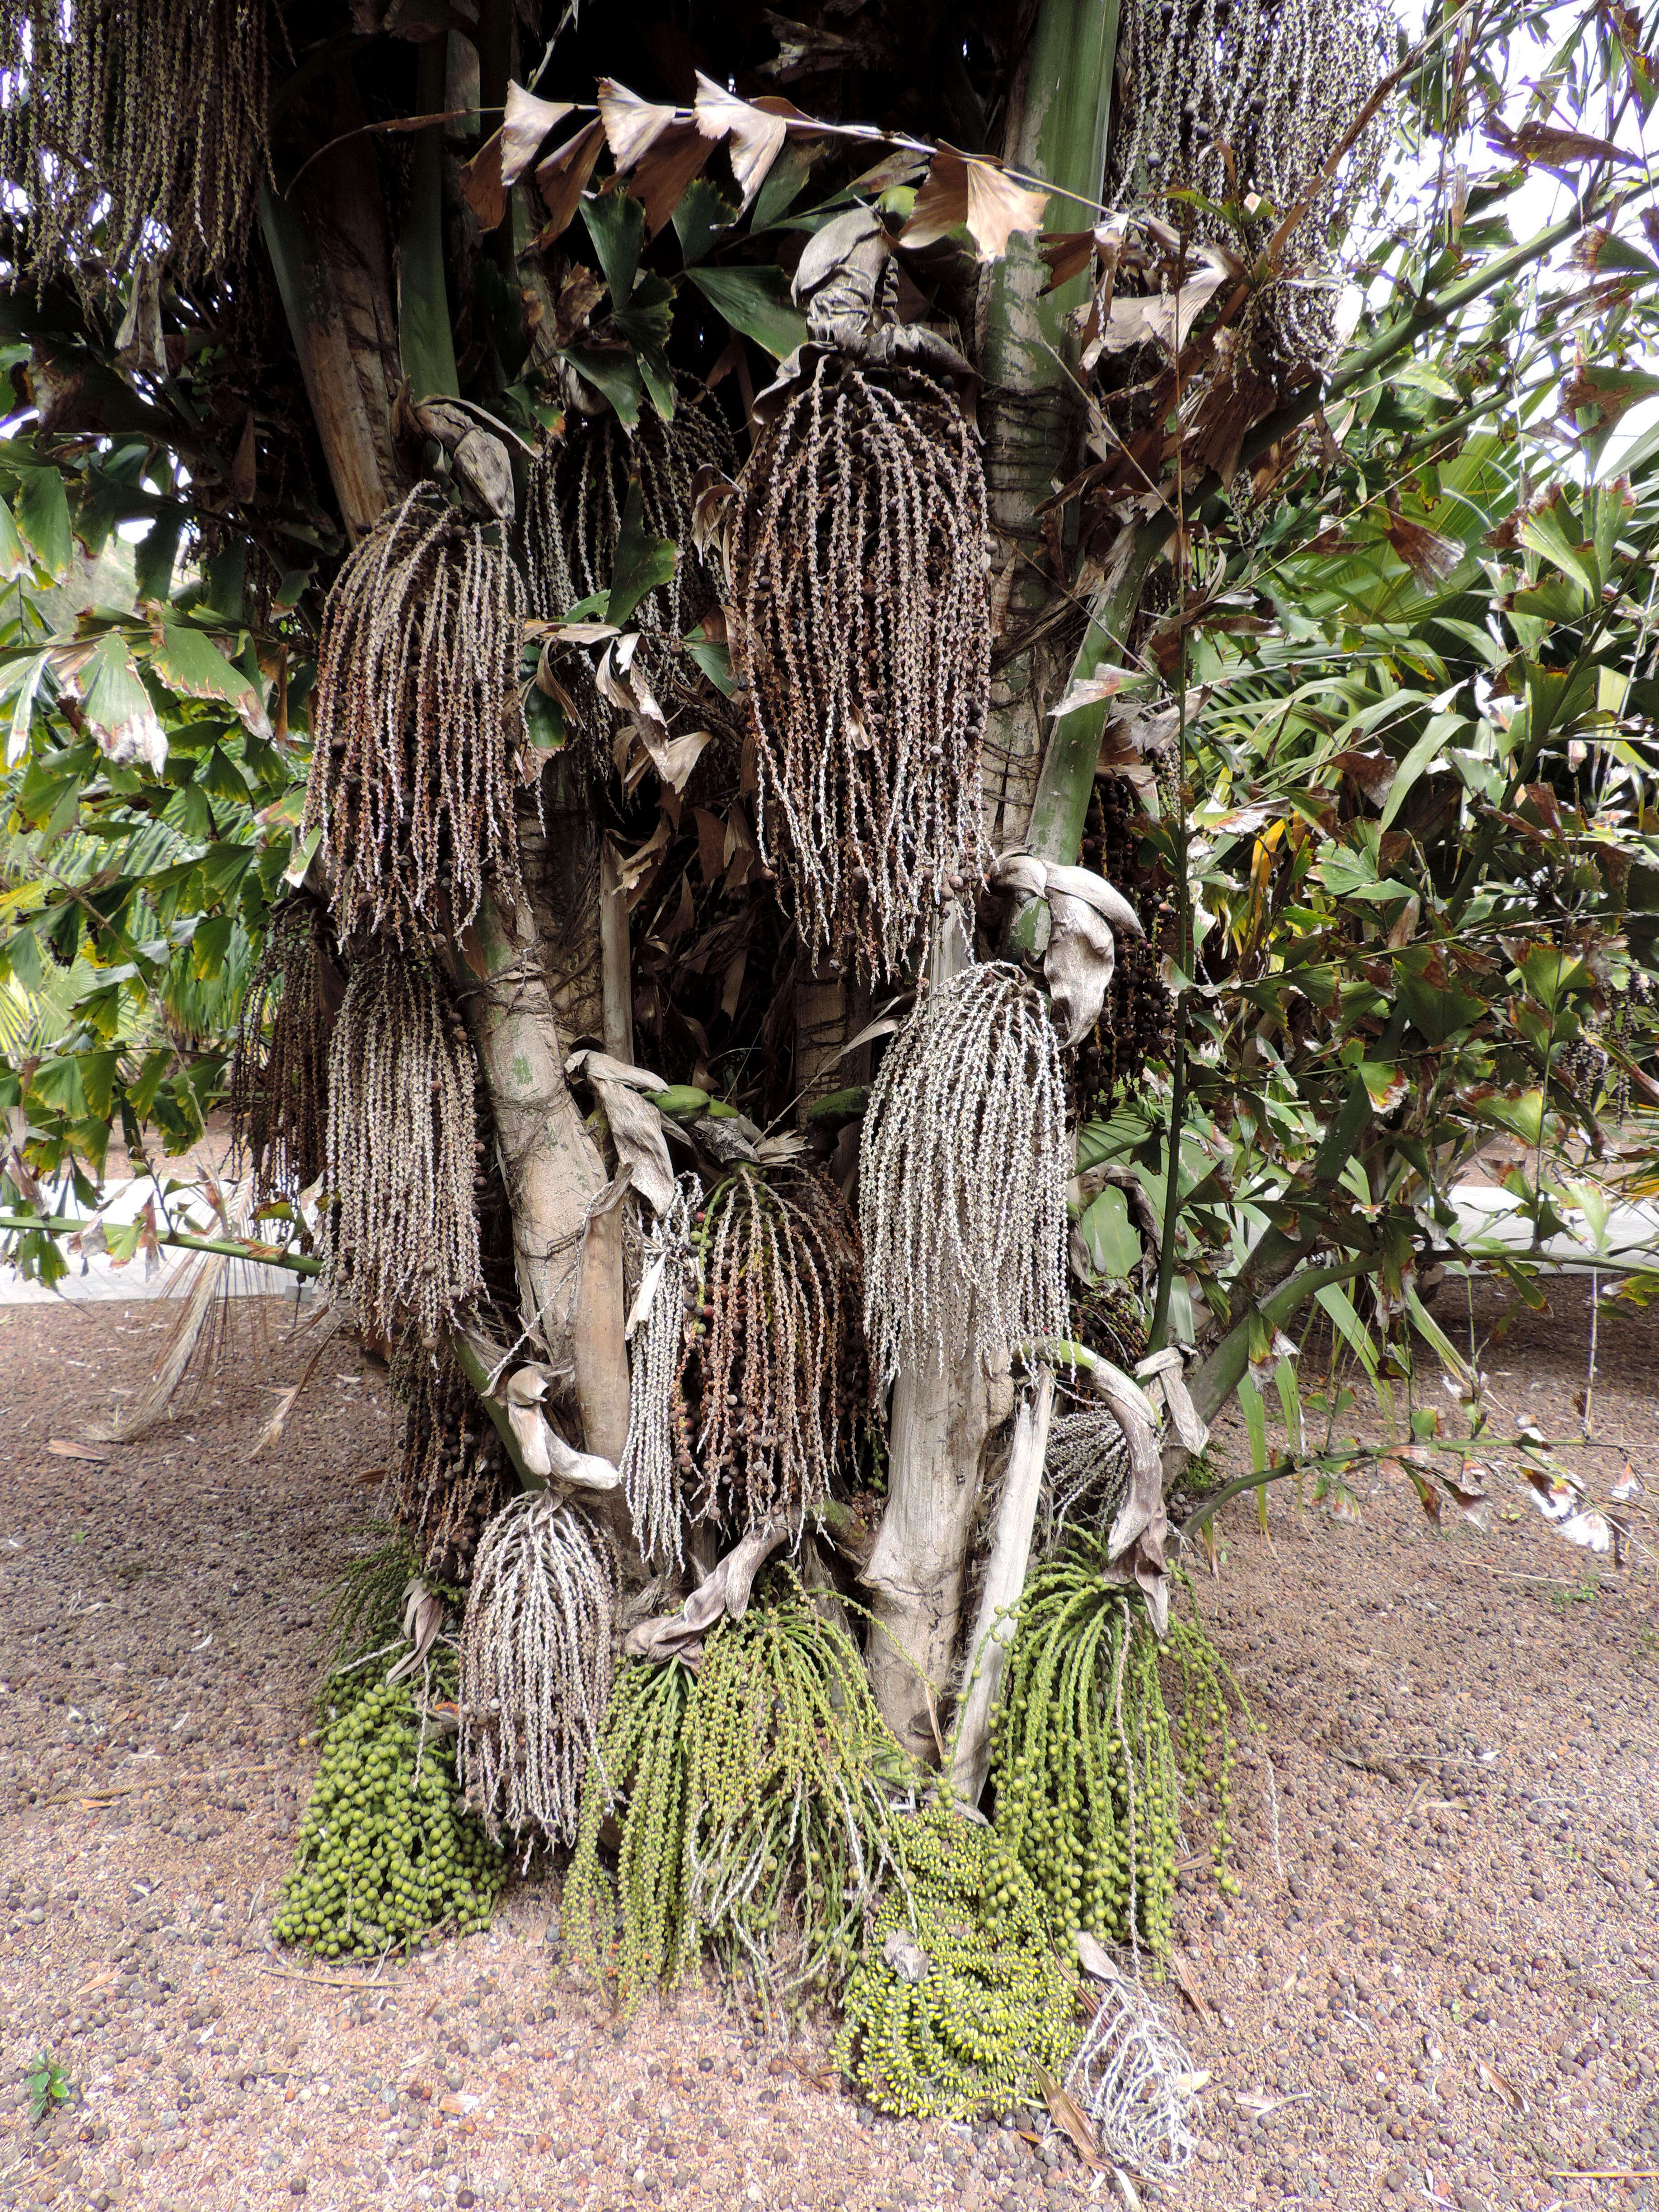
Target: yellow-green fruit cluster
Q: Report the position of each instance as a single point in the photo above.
(1084, 1770)
(973, 2002)
(387, 1850)
(755, 1811)
(1086, 1765)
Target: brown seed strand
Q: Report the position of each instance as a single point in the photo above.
(420, 737)
(401, 1235)
(859, 558)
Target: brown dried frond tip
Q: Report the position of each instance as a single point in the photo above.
(858, 556)
(419, 727)
(147, 119)
(772, 1372)
(402, 1240)
(279, 1079)
(451, 1472)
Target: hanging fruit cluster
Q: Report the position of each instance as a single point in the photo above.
(959, 2004)
(388, 1851)
(1085, 1764)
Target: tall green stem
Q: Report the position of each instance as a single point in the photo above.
(424, 334)
(1031, 407)
(1170, 1236)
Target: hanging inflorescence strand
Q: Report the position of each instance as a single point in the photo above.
(538, 1661)
(449, 1471)
(673, 1291)
(578, 495)
(962, 1178)
(136, 129)
(279, 1075)
(401, 1240)
(420, 735)
(772, 1372)
(858, 559)
(1236, 97)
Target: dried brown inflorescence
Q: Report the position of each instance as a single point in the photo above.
(572, 523)
(401, 1239)
(450, 1472)
(859, 553)
(963, 1167)
(574, 507)
(147, 116)
(1135, 1025)
(771, 1375)
(1233, 97)
(279, 1076)
(420, 737)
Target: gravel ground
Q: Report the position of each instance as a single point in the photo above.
(1440, 1983)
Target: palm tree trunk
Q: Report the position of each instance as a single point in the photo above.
(942, 1418)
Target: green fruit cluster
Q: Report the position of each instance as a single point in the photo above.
(387, 1850)
(1085, 1764)
(973, 2004)
(751, 1802)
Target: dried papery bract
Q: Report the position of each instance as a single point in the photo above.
(279, 1079)
(450, 1474)
(1278, 83)
(402, 1233)
(420, 735)
(538, 1661)
(650, 1461)
(962, 1178)
(858, 556)
(150, 117)
(771, 1379)
(572, 523)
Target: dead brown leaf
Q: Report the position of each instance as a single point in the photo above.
(1187, 1985)
(1094, 690)
(962, 189)
(712, 494)
(61, 1448)
(242, 484)
(579, 294)
(1430, 557)
(526, 128)
(1068, 2115)
(636, 1131)
(1167, 317)
(1374, 772)
(481, 182)
(753, 135)
(662, 173)
(1067, 252)
(632, 125)
(563, 177)
(1492, 2080)
(804, 49)
(1556, 149)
